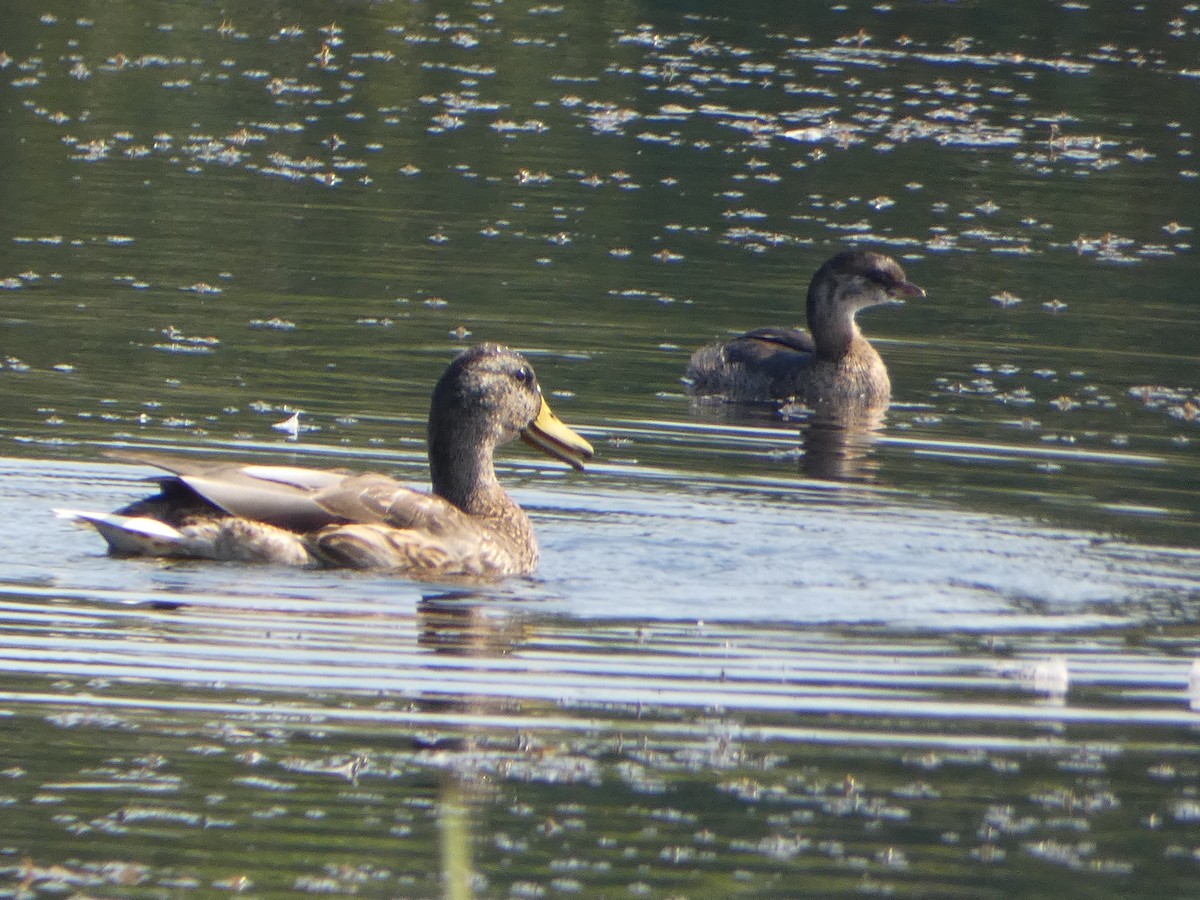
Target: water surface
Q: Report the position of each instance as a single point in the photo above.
(952, 656)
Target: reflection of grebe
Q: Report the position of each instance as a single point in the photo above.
(832, 363)
(839, 446)
(288, 515)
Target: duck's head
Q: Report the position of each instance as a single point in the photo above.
(489, 396)
(855, 279)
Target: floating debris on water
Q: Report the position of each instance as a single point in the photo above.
(289, 426)
(184, 343)
(1194, 685)
(275, 323)
(201, 287)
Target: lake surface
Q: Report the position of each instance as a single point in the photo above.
(953, 656)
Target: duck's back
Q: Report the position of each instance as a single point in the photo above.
(299, 516)
(389, 526)
(471, 551)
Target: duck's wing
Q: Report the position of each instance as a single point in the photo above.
(365, 520)
(415, 553)
(283, 496)
(391, 526)
(375, 499)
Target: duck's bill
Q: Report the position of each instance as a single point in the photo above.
(555, 439)
(906, 290)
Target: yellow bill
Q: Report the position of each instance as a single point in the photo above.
(553, 438)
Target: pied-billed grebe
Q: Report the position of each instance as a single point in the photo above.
(831, 363)
(297, 516)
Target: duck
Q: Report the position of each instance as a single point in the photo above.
(468, 525)
(830, 365)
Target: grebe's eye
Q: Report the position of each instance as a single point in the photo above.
(880, 277)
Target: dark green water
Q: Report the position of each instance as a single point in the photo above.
(950, 658)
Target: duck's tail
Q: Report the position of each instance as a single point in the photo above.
(128, 535)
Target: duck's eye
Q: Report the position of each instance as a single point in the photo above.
(524, 375)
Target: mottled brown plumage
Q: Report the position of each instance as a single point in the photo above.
(830, 364)
(468, 526)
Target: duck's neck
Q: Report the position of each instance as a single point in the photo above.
(465, 476)
(461, 471)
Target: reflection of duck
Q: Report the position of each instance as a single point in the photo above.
(831, 363)
(468, 624)
(296, 516)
